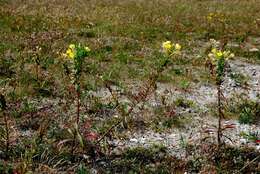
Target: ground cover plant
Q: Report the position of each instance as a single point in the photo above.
(129, 86)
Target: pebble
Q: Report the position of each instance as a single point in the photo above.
(253, 50)
(133, 140)
(243, 141)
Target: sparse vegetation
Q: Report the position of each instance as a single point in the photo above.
(67, 109)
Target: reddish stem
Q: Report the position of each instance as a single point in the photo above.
(78, 105)
(220, 115)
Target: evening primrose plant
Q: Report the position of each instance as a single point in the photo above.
(139, 99)
(76, 54)
(217, 62)
(170, 50)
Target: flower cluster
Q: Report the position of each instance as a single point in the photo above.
(170, 48)
(217, 59)
(70, 53)
(76, 51)
(215, 55)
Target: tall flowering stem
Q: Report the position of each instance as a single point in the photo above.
(169, 50)
(77, 53)
(217, 60)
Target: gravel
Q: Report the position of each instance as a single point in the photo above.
(202, 126)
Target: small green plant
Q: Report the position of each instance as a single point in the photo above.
(246, 116)
(82, 169)
(240, 79)
(182, 102)
(245, 109)
(251, 135)
(184, 85)
(6, 168)
(183, 142)
(28, 107)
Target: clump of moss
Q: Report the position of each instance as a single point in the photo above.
(185, 103)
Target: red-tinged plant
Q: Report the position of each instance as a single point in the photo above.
(138, 100)
(76, 54)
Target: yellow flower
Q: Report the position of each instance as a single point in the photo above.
(231, 55)
(177, 47)
(214, 50)
(167, 46)
(226, 53)
(210, 16)
(87, 49)
(72, 46)
(170, 48)
(219, 54)
(70, 53)
(216, 54)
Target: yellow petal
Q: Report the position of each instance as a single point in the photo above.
(167, 45)
(70, 53)
(219, 54)
(231, 55)
(72, 46)
(177, 46)
(214, 50)
(210, 55)
(87, 49)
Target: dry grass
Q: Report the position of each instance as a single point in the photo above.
(126, 37)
